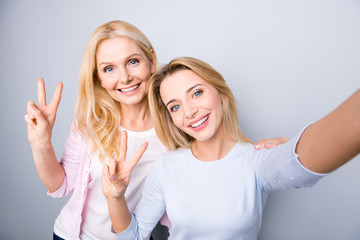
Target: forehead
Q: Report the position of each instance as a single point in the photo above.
(179, 82)
(117, 47)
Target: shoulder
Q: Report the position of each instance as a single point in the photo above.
(77, 142)
(176, 155)
(168, 164)
(78, 135)
(247, 156)
(246, 150)
(173, 159)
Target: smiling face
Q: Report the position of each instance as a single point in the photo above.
(194, 105)
(123, 70)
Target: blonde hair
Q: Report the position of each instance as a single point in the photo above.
(168, 133)
(97, 114)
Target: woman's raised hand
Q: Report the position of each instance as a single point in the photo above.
(40, 119)
(116, 175)
(270, 143)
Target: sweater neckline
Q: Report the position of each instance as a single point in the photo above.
(215, 163)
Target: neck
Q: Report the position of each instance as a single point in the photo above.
(213, 149)
(136, 117)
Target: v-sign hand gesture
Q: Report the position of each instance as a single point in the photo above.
(40, 119)
(116, 175)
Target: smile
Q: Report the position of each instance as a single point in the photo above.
(201, 121)
(132, 88)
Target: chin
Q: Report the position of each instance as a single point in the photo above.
(202, 138)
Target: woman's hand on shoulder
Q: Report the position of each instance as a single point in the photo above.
(270, 143)
(40, 119)
(116, 175)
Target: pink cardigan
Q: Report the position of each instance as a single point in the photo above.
(76, 163)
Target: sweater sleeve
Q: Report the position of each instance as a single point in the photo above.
(279, 168)
(70, 161)
(150, 208)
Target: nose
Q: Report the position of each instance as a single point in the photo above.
(124, 76)
(190, 110)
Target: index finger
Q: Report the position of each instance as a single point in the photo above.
(41, 92)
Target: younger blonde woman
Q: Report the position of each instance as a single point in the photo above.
(214, 185)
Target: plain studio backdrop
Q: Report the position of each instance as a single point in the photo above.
(287, 62)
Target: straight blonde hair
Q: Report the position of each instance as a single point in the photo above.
(168, 133)
(97, 114)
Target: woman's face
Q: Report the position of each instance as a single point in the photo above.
(123, 69)
(194, 105)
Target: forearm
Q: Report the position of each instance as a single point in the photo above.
(49, 169)
(333, 140)
(119, 214)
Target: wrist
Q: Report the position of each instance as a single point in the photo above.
(41, 145)
(115, 199)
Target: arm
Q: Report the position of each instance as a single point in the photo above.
(115, 179)
(333, 140)
(40, 121)
(119, 214)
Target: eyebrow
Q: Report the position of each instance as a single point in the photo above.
(187, 91)
(127, 58)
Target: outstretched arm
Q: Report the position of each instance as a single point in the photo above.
(115, 179)
(333, 140)
(40, 121)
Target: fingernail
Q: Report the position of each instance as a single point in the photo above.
(112, 178)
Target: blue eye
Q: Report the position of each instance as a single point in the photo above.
(133, 61)
(108, 69)
(198, 93)
(174, 108)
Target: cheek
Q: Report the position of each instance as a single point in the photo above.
(217, 102)
(221, 110)
(177, 120)
(105, 84)
(143, 74)
(108, 82)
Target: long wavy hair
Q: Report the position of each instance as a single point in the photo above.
(168, 133)
(97, 114)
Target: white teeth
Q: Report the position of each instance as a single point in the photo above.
(199, 122)
(130, 89)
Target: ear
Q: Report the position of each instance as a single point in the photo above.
(153, 62)
(221, 97)
(96, 77)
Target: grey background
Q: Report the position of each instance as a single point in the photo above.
(288, 63)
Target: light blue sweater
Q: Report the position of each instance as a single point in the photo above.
(222, 199)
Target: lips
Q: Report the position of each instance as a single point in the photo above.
(199, 122)
(129, 89)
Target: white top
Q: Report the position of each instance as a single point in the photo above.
(96, 222)
(221, 199)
